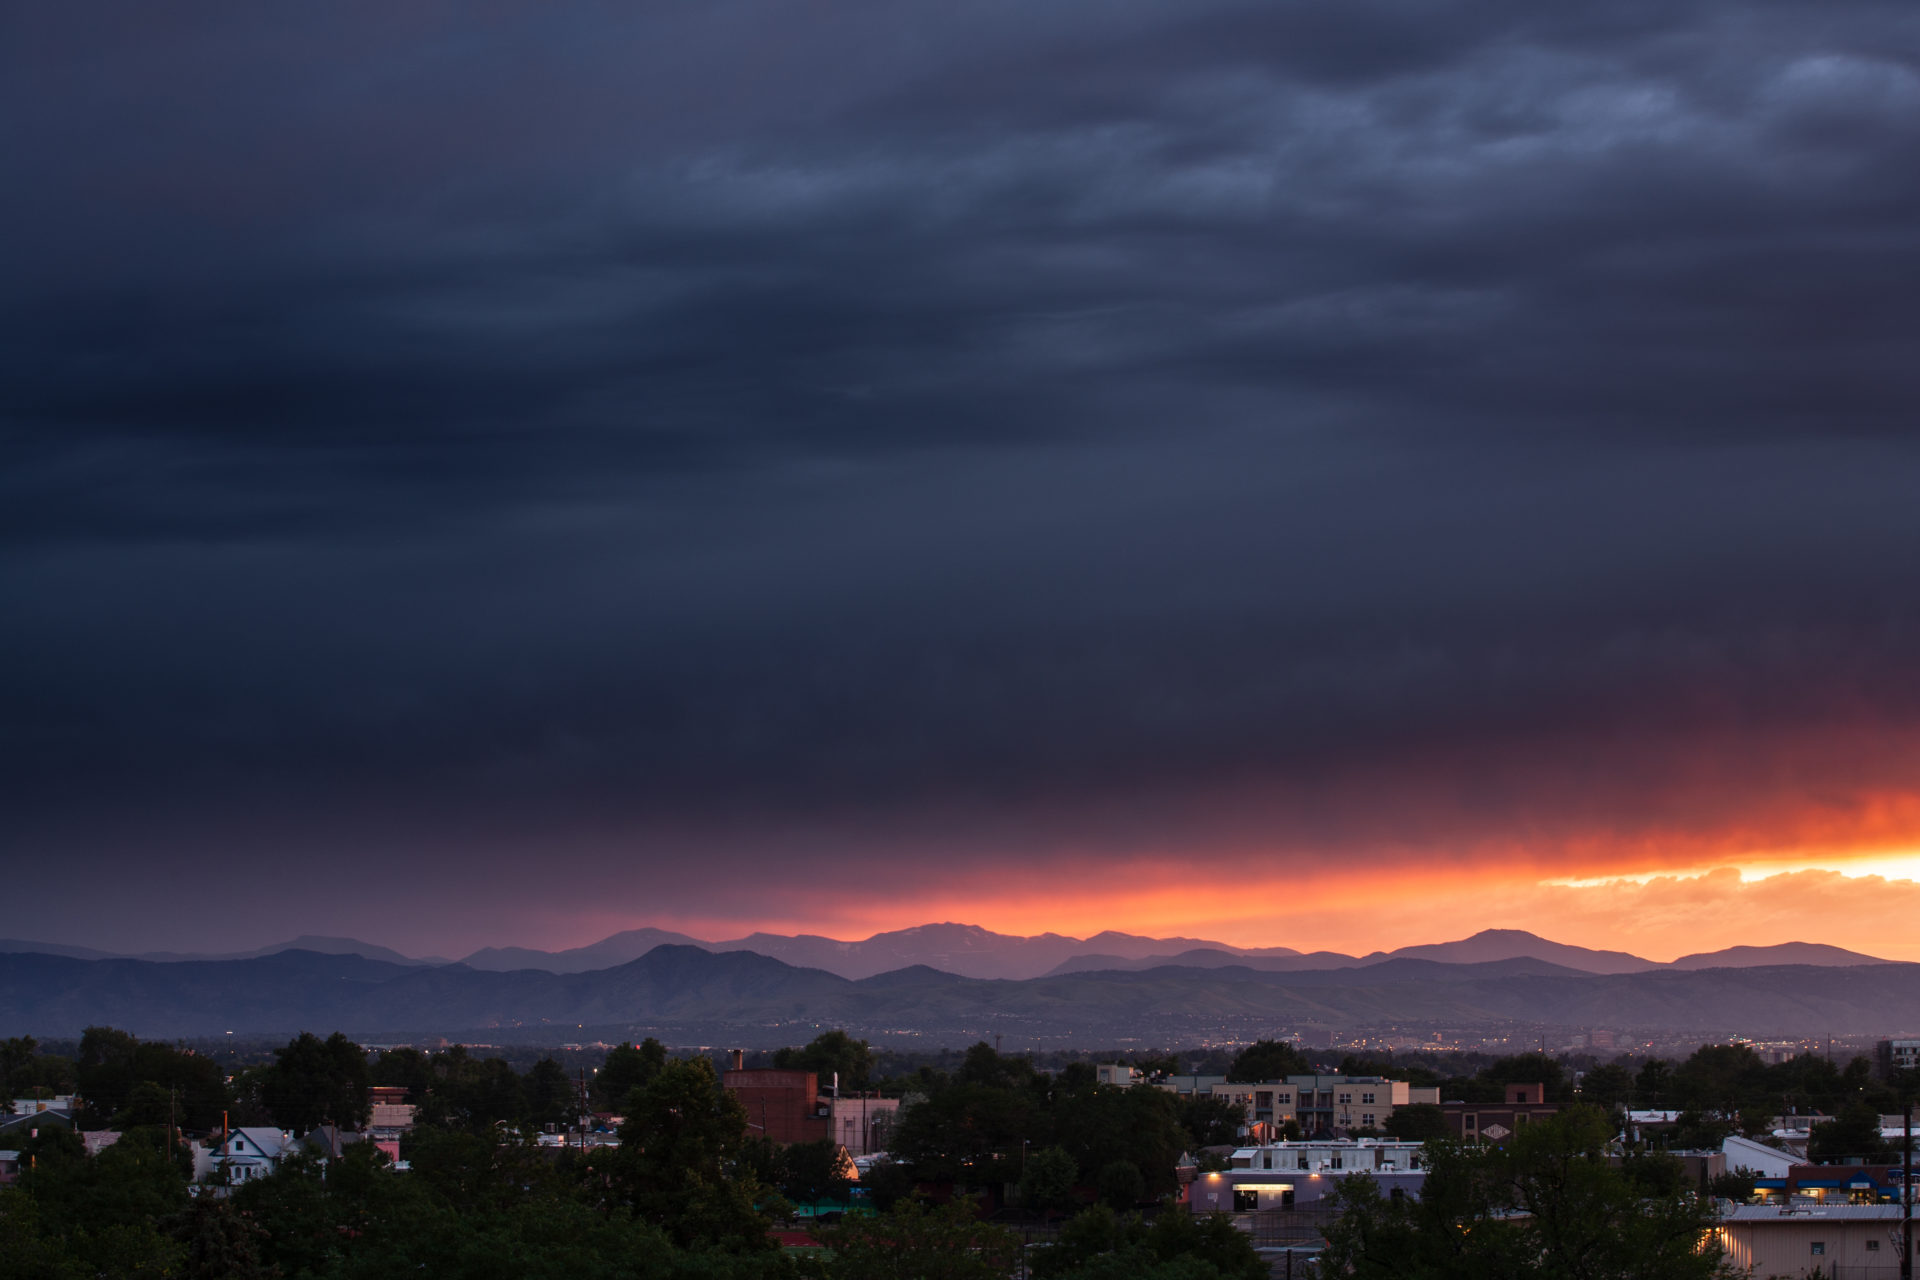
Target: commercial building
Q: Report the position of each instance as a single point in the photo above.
(1896, 1055)
(787, 1106)
(1756, 1157)
(1287, 1175)
(1493, 1121)
(1832, 1184)
(1855, 1241)
(862, 1125)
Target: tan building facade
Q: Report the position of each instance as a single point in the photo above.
(862, 1125)
(1321, 1103)
(1853, 1241)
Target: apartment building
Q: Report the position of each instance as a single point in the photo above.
(1319, 1104)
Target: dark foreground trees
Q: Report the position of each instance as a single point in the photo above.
(915, 1240)
(314, 1082)
(1102, 1245)
(1548, 1202)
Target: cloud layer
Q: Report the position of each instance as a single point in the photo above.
(550, 453)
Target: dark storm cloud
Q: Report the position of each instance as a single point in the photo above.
(749, 409)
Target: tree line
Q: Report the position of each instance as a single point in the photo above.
(686, 1192)
(1552, 1200)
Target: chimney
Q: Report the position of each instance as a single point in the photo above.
(736, 1059)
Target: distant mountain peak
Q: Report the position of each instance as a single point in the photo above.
(1514, 944)
(1750, 957)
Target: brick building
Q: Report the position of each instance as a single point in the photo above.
(783, 1105)
(1493, 1121)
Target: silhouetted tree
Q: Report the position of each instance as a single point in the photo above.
(627, 1068)
(550, 1097)
(1854, 1133)
(828, 1053)
(1267, 1060)
(1549, 1201)
(1046, 1184)
(912, 1239)
(680, 1136)
(1607, 1087)
(814, 1171)
(1099, 1244)
(1417, 1122)
(315, 1082)
(1211, 1121)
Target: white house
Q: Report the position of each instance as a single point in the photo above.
(252, 1153)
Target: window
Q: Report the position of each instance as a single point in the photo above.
(1366, 1118)
(1873, 1246)
(1367, 1099)
(1819, 1247)
(1336, 1161)
(1303, 1159)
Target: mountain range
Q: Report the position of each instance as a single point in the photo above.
(972, 952)
(305, 942)
(692, 995)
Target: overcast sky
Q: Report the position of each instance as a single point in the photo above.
(501, 475)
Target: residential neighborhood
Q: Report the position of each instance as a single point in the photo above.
(815, 1137)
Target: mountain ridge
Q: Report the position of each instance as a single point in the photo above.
(740, 996)
(974, 952)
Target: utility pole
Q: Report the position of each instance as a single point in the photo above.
(1906, 1194)
(586, 1110)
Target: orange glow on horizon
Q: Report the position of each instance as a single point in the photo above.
(1707, 858)
(1657, 898)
